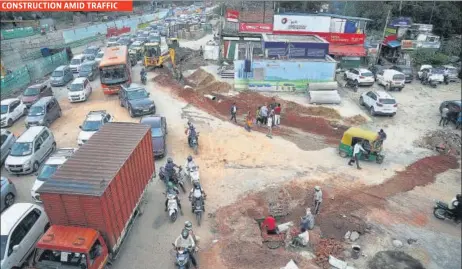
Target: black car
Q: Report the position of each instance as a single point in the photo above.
(454, 107)
(406, 70)
(158, 132)
(136, 99)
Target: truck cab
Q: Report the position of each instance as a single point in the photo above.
(70, 247)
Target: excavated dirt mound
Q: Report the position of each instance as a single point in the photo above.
(188, 59)
(355, 120)
(394, 260)
(449, 138)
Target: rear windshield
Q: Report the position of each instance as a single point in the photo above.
(387, 101)
(75, 61)
(398, 77)
(57, 74)
(367, 74)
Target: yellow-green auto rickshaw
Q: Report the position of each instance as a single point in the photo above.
(371, 142)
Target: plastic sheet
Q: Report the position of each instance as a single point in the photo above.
(324, 97)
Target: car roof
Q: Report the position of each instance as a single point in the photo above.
(79, 80)
(383, 94)
(60, 68)
(44, 100)
(89, 63)
(30, 134)
(393, 71)
(12, 215)
(92, 47)
(363, 70)
(151, 119)
(8, 101)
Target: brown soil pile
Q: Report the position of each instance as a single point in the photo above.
(355, 120)
(188, 59)
(200, 77)
(214, 88)
(436, 138)
(293, 115)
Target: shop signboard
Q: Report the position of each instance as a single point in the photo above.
(259, 28)
(301, 23)
(407, 44)
(232, 15)
(400, 22)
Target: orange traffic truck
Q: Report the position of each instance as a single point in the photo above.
(93, 200)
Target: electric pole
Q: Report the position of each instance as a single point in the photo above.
(383, 37)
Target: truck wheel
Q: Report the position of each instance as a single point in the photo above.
(372, 111)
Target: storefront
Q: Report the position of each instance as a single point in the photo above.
(290, 46)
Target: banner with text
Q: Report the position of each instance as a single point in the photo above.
(65, 6)
(232, 15)
(259, 28)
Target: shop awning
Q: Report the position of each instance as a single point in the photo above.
(347, 50)
(394, 44)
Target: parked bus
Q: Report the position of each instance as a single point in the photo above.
(115, 69)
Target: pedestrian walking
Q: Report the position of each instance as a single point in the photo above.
(269, 123)
(277, 115)
(317, 199)
(258, 117)
(248, 122)
(357, 149)
(264, 114)
(233, 112)
(444, 116)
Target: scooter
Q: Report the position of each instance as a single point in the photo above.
(194, 144)
(172, 207)
(143, 79)
(198, 208)
(182, 260)
(194, 174)
(352, 85)
(442, 211)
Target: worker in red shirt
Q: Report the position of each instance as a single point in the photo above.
(270, 225)
(277, 115)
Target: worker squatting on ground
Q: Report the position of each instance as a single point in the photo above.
(269, 224)
(317, 199)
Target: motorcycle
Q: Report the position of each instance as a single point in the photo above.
(441, 211)
(198, 209)
(172, 207)
(446, 79)
(352, 85)
(194, 143)
(177, 179)
(429, 82)
(143, 79)
(182, 260)
(193, 174)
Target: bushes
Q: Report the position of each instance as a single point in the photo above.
(428, 56)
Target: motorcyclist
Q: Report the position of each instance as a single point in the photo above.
(189, 165)
(425, 75)
(196, 193)
(188, 226)
(190, 132)
(455, 205)
(171, 189)
(142, 73)
(170, 169)
(185, 241)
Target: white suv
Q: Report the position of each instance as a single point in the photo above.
(93, 122)
(22, 225)
(379, 102)
(12, 110)
(49, 168)
(30, 150)
(79, 90)
(360, 75)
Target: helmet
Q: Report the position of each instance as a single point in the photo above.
(317, 188)
(189, 158)
(188, 225)
(170, 160)
(184, 233)
(170, 184)
(189, 123)
(196, 185)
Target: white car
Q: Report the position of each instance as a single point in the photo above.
(49, 168)
(22, 225)
(434, 74)
(360, 75)
(79, 90)
(379, 102)
(93, 122)
(76, 62)
(11, 110)
(391, 79)
(99, 56)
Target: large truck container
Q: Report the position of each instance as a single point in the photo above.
(101, 187)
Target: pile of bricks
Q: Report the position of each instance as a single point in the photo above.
(325, 248)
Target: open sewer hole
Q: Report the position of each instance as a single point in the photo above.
(394, 260)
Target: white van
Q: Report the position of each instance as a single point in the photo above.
(391, 79)
(76, 62)
(79, 90)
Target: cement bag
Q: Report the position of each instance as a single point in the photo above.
(291, 265)
(323, 86)
(285, 226)
(324, 97)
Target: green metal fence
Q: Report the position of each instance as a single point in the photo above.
(18, 32)
(32, 71)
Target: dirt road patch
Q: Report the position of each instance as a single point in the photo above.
(393, 260)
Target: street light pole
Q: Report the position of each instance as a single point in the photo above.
(383, 37)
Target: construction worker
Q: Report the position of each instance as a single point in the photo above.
(317, 199)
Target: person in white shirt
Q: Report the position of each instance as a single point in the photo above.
(269, 123)
(444, 116)
(233, 112)
(317, 199)
(356, 151)
(189, 165)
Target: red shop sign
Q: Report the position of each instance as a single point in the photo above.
(232, 15)
(334, 38)
(245, 27)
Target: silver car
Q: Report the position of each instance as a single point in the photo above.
(8, 140)
(8, 193)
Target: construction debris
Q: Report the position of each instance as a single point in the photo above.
(447, 138)
(326, 248)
